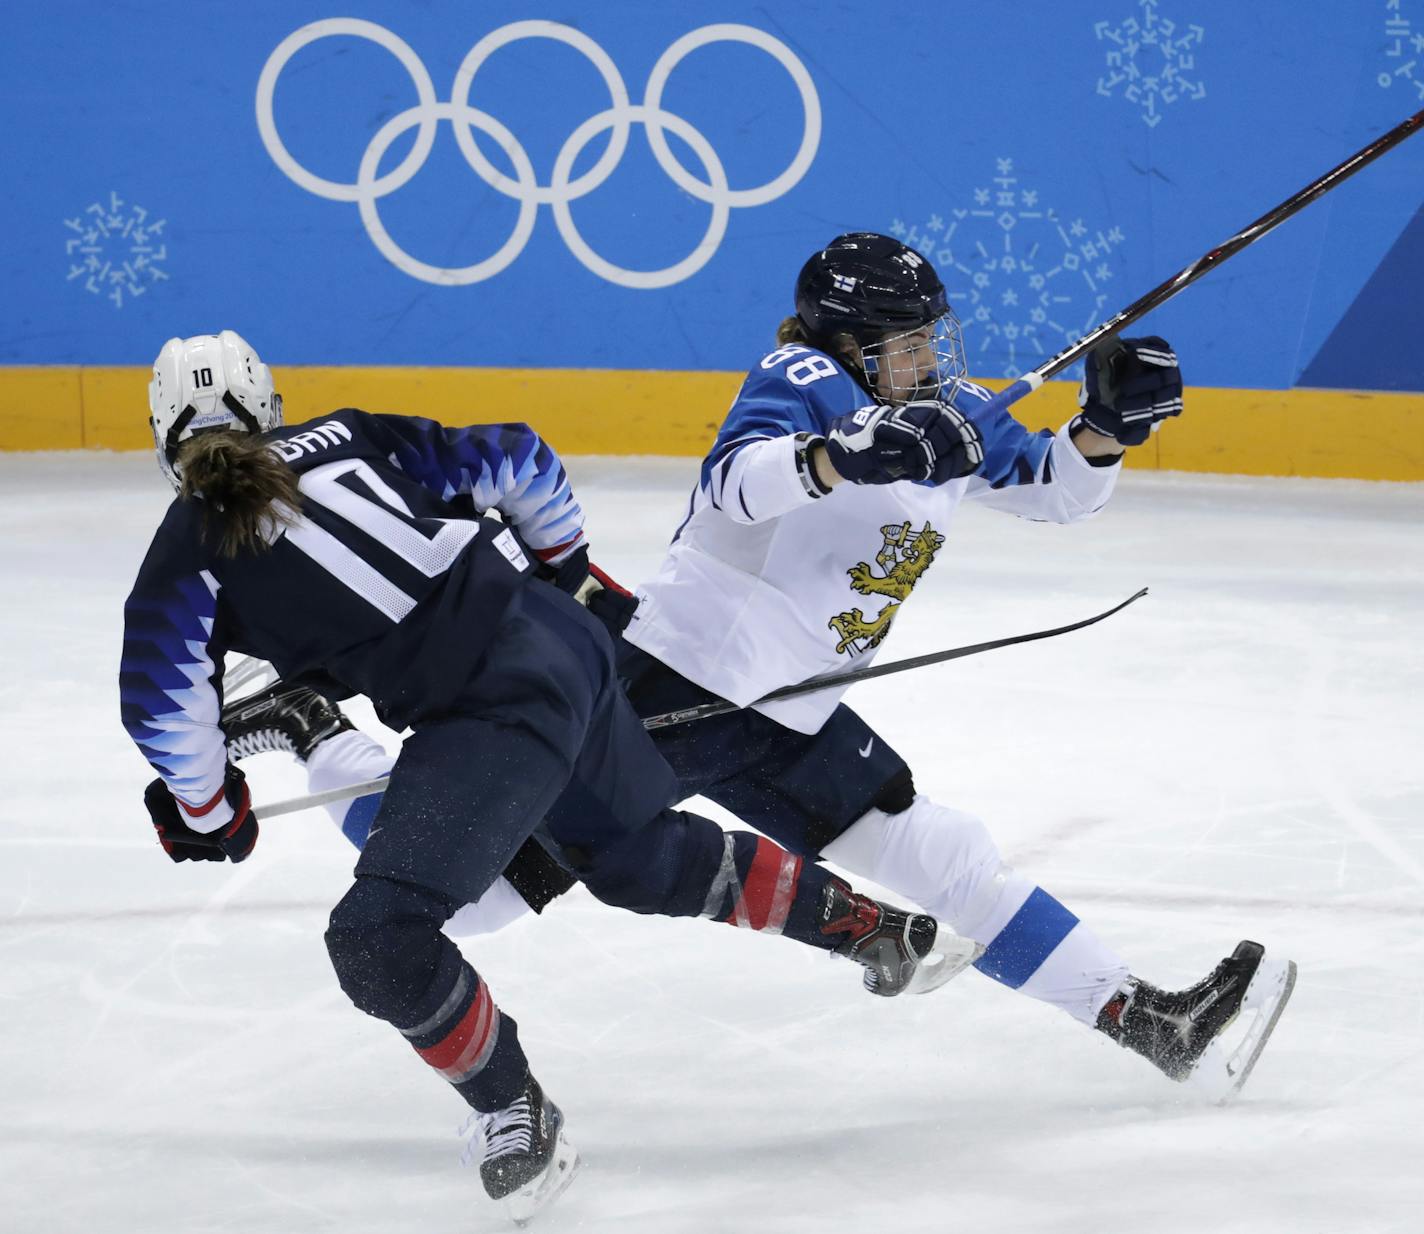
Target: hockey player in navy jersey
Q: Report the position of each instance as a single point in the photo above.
(356, 550)
(825, 498)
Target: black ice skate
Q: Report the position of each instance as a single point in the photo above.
(527, 1161)
(1183, 1033)
(891, 943)
(283, 717)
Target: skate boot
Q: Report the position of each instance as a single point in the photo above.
(283, 717)
(526, 1161)
(890, 943)
(1185, 1033)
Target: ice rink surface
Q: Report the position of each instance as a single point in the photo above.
(1236, 756)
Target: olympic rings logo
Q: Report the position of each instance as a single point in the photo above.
(524, 187)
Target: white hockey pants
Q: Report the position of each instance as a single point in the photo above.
(946, 861)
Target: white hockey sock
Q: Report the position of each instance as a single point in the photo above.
(494, 910)
(349, 758)
(946, 861)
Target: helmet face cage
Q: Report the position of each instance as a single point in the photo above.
(888, 298)
(926, 362)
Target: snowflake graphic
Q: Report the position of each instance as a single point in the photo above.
(1403, 45)
(116, 252)
(1151, 59)
(1024, 282)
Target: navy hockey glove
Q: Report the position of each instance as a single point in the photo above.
(1130, 386)
(570, 574)
(612, 603)
(918, 441)
(233, 842)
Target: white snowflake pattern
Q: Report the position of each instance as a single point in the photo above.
(1152, 59)
(1024, 282)
(116, 250)
(1403, 45)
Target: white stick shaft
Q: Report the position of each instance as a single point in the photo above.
(293, 804)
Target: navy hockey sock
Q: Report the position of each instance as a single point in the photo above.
(760, 886)
(471, 1043)
(394, 963)
(684, 865)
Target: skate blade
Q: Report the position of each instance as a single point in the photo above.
(1221, 1074)
(950, 957)
(537, 1194)
(247, 672)
(1267, 995)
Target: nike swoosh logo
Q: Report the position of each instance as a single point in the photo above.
(865, 753)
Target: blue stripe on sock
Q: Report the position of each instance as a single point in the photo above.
(356, 826)
(1022, 946)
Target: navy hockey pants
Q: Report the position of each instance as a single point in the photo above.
(801, 789)
(541, 732)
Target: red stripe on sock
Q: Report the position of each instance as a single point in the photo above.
(458, 1054)
(754, 906)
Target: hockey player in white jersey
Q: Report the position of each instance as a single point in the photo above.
(823, 502)
(855, 440)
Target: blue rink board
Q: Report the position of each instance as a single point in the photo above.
(1055, 160)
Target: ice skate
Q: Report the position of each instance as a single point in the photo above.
(897, 948)
(290, 718)
(526, 1160)
(1193, 1035)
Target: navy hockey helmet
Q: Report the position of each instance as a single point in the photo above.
(867, 285)
(890, 300)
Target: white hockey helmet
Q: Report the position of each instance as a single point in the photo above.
(210, 381)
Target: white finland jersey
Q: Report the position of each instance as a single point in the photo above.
(770, 581)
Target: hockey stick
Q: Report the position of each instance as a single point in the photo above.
(721, 706)
(1026, 384)
(1160, 294)
(869, 673)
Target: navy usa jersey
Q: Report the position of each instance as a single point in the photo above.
(389, 580)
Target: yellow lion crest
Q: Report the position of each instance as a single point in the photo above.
(902, 559)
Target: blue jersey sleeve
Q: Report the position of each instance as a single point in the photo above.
(170, 672)
(793, 391)
(1036, 475)
(504, 467)
(1012, 454)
